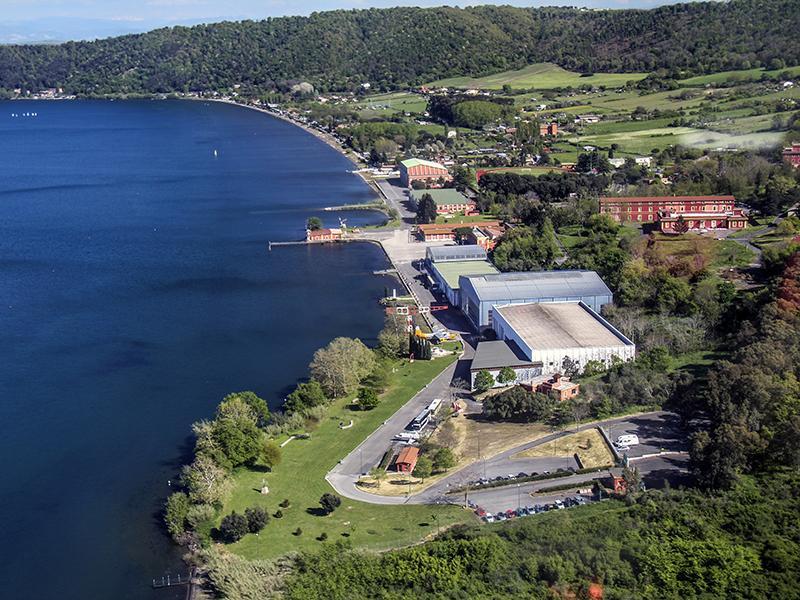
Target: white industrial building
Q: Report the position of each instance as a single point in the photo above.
(546, 333)
(481, 295)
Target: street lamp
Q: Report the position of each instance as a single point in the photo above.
(519, 504)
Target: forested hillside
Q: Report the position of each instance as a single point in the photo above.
(399, 46)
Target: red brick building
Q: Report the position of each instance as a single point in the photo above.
(672, 222)
(407, 459)
(546, 129)
(791, 155)
(416, 169)
(559, 387)
(323, 235)
(645, 209)
(447, 231)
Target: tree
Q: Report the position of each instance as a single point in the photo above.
(175, 512)
(305, 396)
(423, 468)
(258, 406)
(205, 481)
(367, 398)
(483, 381)
(633, 479)
(506, 376)
(270, 453)
(426, 209)
(341, 365)
(527, 248)
(443, 459)
(329, 502)
(233, 528)
(593, 367)
(314, 223)
(257, 518)
(240, 440)
(393, 338)
(569, 367)
(463, 234)
(378, 474)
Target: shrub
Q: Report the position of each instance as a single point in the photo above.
(278, 514)
(367, 398)
(284, 503)
(233, 528)
(329, 502)
(257, 518)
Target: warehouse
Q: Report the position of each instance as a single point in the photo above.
(416, 169)
(448, 273)
(546, 333)
(480, 294)
(437, 254)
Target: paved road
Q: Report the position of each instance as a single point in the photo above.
(368, 454)
(672, 467)
(658, 431)
(397, 198)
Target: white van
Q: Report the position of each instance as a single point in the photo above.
(628, 440)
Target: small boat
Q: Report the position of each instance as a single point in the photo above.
(215, 153)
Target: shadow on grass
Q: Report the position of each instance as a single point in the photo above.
(316, 511)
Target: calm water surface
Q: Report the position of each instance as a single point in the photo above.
(135, 291)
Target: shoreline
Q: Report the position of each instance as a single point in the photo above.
(323, 137)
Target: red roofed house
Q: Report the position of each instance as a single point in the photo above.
(560, 387)
(416, 169)
(407, 459)
(791, 155)
(323, 235)
(446, 231)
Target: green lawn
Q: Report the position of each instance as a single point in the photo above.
(697, 363)
(300, 478)
(539, 76)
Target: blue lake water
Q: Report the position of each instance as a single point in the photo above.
(135, 291)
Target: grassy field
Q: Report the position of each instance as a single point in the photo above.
(589, 445)
(541, 76)
(300, 478)
(735, 76)
(386, 104)
(719, 254)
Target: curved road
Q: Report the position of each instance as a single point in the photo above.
(657, 430)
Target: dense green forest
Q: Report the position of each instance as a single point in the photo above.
(400, 46)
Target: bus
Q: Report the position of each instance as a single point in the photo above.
(420, 421)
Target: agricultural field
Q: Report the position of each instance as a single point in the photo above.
(540, 76)
(384, 105)
(736, 76)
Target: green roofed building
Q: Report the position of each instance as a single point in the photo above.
(447, 274)
(416, 169)
(447, 200)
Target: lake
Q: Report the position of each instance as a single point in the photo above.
(136, 290)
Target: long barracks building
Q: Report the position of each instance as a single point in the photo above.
(645, 209)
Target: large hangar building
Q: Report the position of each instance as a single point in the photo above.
(480, 295)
